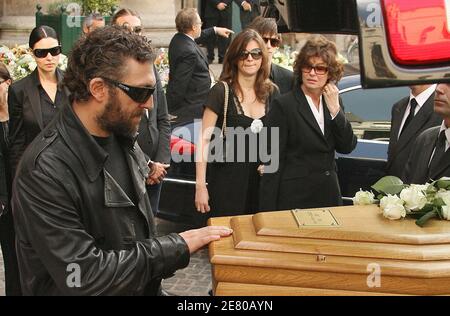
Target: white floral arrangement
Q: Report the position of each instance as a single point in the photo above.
(398, 200)
(162, 65)
(284, 57)
(20, 62)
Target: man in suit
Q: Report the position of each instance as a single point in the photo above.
(154, 128)
(430, 157)
(249, 9)
(267, 28)
(410, 117)
(217, 13)
(189, 79)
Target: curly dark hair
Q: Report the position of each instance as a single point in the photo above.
(263, 86)
(319, 46)
(103, 53)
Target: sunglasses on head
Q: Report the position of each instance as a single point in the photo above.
(137, 94)
(318, 69)
(274, 42)
(255, 52)
(43, 52)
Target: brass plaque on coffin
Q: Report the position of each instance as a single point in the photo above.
(315, 218)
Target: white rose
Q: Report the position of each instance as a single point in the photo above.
(414, 198)
(256, 126)
(445, 196)
(446, 212)
(363, 198)
(392, 207)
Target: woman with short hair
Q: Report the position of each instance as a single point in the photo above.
(312, 127)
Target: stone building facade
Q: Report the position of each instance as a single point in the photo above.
(17, 18)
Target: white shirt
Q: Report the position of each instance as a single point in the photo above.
(318, 113)
(421, 99)
(447, 140)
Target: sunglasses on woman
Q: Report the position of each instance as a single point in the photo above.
(274, 42)
(255, 52)
(43, 52)
(318, 69)
(137, 94)
(135, 29)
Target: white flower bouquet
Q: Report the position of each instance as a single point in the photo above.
(398, 200)
(284, 57)
(162, 65)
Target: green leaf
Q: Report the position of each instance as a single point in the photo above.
(389, 185)
(443, 183)
(422, 221)
(438, 202)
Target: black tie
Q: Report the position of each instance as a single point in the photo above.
(412, 109)
(438, 153)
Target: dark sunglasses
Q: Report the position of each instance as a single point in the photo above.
(137, 94)
(320, 70)
(136, 29)
(274, 42)
(255, 52)
(43, 52)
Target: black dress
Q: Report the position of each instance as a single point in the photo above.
(233, 186)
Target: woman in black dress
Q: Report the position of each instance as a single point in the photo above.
(232, 186)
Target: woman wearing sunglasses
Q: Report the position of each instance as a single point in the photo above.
(268, 29)
(34, 100)
(312, 127)
(233, 185)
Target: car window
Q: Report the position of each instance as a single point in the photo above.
(372, 104)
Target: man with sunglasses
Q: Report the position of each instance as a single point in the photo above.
(82, 214)
(268, 29)
(154, 129)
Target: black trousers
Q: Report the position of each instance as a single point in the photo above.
(223, 20)
(7, 240)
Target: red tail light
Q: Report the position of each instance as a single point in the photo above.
(418, 30)
(180, 146)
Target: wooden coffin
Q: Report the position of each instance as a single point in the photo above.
(348, 250)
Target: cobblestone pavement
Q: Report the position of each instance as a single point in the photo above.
(194, 280)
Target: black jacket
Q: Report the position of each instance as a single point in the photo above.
(3, 163)
(400, 148)
(211, 10)
(282, 77)
(69, 210)
(154, 129)
(189, 80)
(416, 170)
(307, 175)
(25, 115)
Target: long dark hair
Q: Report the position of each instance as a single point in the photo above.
(4, 73)
(263, 86)
(40, 32)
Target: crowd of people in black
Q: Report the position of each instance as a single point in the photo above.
(84, 153)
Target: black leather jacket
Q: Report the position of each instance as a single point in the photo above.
(71, 216)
